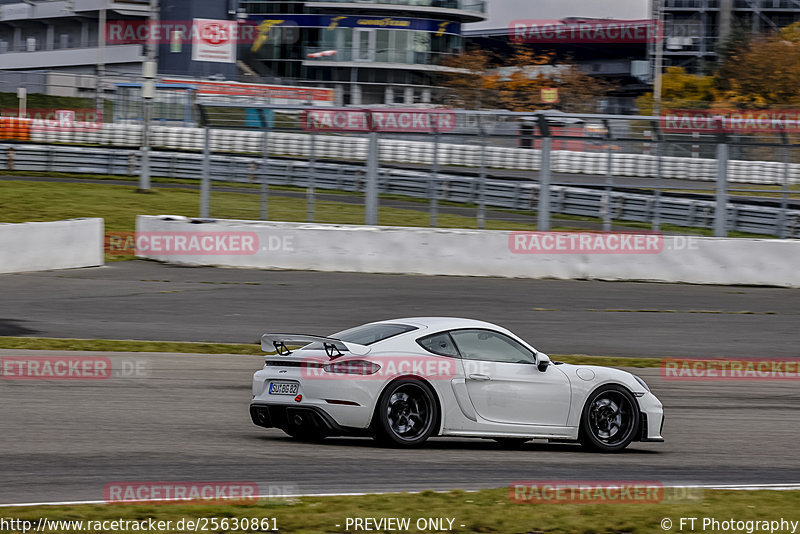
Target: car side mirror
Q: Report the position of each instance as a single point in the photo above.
(542, 361)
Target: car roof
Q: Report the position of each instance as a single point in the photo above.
(442, 323)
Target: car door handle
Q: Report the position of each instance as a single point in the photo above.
(482, 378)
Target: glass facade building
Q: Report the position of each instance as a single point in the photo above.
(370, 52)
(694, 28)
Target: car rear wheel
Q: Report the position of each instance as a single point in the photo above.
(407, 414)
(609, 419)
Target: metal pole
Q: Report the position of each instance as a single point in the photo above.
(205, 185)
(264, 199)
(433, 184)
(721, 212)
(543, 223)
(784, 219)
(22, 94)
(659, 7)
(482, 177)
(265, 166)
(101, 56)
(312, 161)
(609, 189)
(371, 193)
(149, 69)
(657, 192)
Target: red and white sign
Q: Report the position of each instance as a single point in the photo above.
(214, 40)
(277, 94)
(324, 53)
(382, 120)
(731, 121)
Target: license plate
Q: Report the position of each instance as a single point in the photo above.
(283, 388)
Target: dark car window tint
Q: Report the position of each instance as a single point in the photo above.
(367, 334)
(490, 346)
(440, 344)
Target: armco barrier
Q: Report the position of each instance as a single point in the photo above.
(354, 148)
(42, 246)
(427, 251)
(514, 194)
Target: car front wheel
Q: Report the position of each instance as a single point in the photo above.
(407, 414)
(609, 420)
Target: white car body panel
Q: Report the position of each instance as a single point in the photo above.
(498, 399)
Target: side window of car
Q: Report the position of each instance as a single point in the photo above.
(441, 344)
(490, 346)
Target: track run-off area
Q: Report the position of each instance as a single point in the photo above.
(185, 417)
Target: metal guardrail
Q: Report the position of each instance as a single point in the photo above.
(507, 194)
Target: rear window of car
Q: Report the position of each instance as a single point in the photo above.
(367, 334)
(441, 344)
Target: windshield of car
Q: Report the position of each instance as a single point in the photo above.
(367, 334)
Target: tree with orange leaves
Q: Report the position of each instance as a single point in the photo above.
(515, 83)
(765, 74)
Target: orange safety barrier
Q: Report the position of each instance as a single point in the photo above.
(15, 128)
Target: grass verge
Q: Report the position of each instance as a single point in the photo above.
(488, 511)
(126, 345)
(22, 201)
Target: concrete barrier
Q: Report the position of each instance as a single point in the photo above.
(42, 246)
(430, 251)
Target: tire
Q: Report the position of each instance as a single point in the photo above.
(511, 443)
(609, 420)
(407, 414)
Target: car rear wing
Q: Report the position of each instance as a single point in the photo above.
(333, 347)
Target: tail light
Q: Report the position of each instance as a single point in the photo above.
(352, 367)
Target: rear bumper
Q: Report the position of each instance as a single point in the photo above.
(291, 418)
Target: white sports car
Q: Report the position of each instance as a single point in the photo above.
(405, 380)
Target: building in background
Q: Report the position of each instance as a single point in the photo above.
(55, 46)
(386, 51)
(693, 29)
(623, 64)
(380, 52)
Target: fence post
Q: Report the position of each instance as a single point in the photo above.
(205, 185)
(657, 189)
(482, 177)
(312, 163)
(543, 222)
(433, 182)
(265, 163)
(609, 189)
(148, 94)
(787, 158)
(721, 210)
(371, 189)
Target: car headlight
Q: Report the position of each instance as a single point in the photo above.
(642, 382)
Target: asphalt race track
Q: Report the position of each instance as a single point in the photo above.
(187, 420)
(152, 301)
(185, 417)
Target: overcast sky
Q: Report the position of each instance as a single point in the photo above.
(501, 12)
